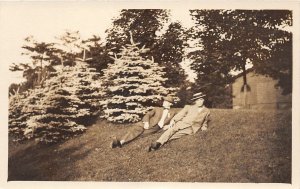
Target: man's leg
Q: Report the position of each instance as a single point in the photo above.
(167, 135)
(181, 133)
(179, 130)
(132, 134)
(150, 131)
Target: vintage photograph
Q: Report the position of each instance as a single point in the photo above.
(106, 94)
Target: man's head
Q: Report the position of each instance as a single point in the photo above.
(199, 102)
(198, 98)
(168, 101)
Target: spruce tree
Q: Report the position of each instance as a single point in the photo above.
(60, 109)
(134, 85)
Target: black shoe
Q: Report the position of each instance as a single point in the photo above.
(154, 146)
(116, 143)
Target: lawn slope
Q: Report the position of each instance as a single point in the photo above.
(239, 146)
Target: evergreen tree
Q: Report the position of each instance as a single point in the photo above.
(134, 84)
(70, 46)
(97, 52)
(42, 59)
(67, 103)
(146, 25)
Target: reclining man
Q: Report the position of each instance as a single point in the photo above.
(151, 123)
(187, 122)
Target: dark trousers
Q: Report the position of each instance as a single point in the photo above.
(138, 130)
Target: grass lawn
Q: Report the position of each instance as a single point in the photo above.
(239, 146)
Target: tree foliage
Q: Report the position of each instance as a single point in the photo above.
(209, 59)
(134, 85)
(42, 57)
(232, 38)
(144, 25)
(61, 109)
(96, 53)
(169, 52)
(45, 58)
(70, 46)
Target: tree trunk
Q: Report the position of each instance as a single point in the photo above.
(39, 78)
(245, 87)
(41, 72)
(245, 100)
(83, 58)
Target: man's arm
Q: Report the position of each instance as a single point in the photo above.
(180, 114)
(148, 115)
(205, 123)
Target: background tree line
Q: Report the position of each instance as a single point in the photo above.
(221, 41)
(226, 41)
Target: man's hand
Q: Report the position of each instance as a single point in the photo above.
(203, 128)
(166, 127)
(146, 125)
(172, 123)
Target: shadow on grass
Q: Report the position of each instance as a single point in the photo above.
(43, 162)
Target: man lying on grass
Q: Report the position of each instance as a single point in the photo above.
(152, 122)
(187, 122)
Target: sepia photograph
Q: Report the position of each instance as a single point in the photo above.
(107, 93)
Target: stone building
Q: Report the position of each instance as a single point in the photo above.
(262, 94)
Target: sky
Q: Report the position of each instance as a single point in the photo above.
(45, 21)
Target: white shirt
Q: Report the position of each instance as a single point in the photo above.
(163, 117)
